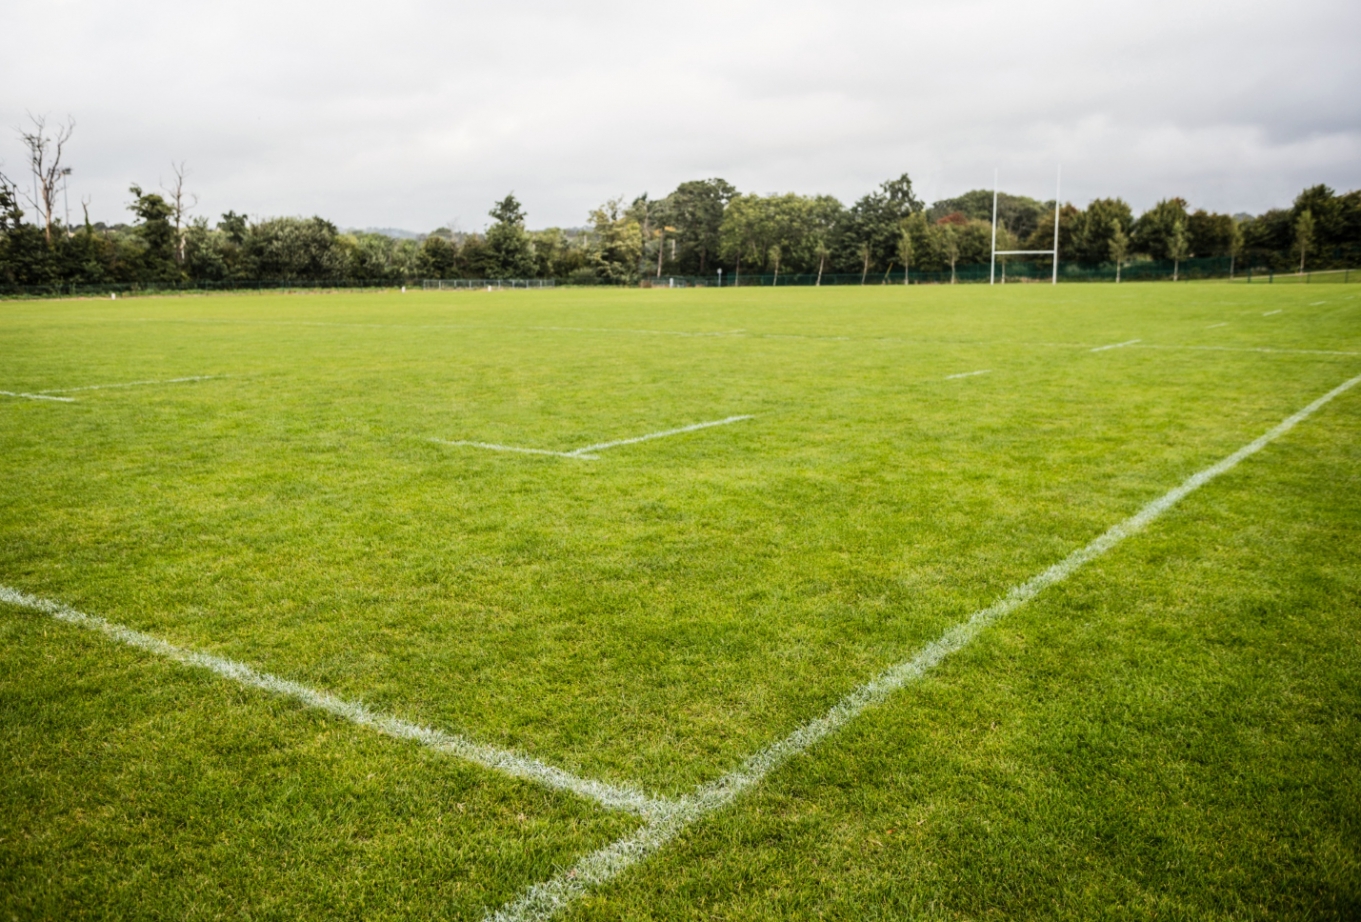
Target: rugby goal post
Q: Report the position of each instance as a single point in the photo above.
(992, 268)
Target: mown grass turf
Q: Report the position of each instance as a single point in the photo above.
(656, 615)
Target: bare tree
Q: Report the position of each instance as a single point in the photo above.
(181, 203)
(44, 160)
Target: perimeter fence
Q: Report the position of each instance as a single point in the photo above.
(1008, 272)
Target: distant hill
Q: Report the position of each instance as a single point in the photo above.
(396, 233)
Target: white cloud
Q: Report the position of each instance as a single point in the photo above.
(411, 113)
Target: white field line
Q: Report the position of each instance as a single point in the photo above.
(585, 453)
(1317, 303)
(968, 374)
(1216, 325)
(614, 797)
(524, 451)
(1267, 349)
(543, 900)
(36, 396)
(1128, 342)
(1269, 313)
(101, 387)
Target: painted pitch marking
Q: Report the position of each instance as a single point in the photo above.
(585, 453)
(615, 797)
(582, 452)
(1317, 303)
(1269, 313)
(968, 374)
(543, 900)
(36, 396)
(1128, 342)
(101, 387)
(1215, 325)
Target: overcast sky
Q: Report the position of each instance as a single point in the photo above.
(413, 114)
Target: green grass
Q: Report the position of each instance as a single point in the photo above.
(1173, 733)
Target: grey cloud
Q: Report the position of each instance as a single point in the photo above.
(412, 113)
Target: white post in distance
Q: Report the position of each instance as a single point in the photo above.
(992, 265)
(1058, 184)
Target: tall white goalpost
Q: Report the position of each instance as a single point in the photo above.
(992, 269)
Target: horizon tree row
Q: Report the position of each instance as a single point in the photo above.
(699, 228)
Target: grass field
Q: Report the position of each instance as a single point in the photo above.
(1171, 731)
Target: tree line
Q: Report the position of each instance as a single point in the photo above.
(701, 228)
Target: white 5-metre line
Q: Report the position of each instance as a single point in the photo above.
(1128, 342)
(586, 453)
(614, 797)
(542, 901)
(103, 387)
(36, 396)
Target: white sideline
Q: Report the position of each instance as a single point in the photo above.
(543, 900)
(100, 387)
(509, 763)
(1269, 313)
(1214, 325)
(1128, 342)
(968, 374)
(36, 396)
(585, 453)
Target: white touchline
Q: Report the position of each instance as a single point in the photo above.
(1213, 325)
(968, 374)
(100, 387)
(543, 900)
(615, 797)
(585, 453)
(36, 396)
(1128, 342)
(1269, 313)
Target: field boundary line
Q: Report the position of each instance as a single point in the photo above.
(543, 900)
(584, 453)
(614, 797)
(101, 387)
(24, 396)
(1128, 342)
(968, 374)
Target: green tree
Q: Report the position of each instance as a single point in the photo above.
(1018, 213)
(872, 226)
(1118, 246)
(945, 237)
(158, 259)
(1178, 246)
(1235, 244)
(1304, 236)
(1153, 231)
(438, 258)
(696, 210)
(618, 243)
(511, 252)
(1093, 229)
(298, 249)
